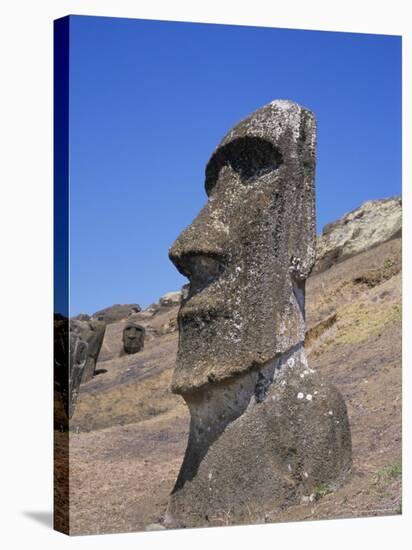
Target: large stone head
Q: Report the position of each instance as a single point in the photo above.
(250, 249)
(133, 337)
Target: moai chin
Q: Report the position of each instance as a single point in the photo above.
(265, 429)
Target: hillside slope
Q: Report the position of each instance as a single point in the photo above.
(128, 433)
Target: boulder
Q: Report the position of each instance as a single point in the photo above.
(116, 313)
(374, 222)
(171, 299)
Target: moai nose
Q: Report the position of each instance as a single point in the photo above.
(200, 251)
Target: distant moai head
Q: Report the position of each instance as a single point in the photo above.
(250, 249)
(133, 337)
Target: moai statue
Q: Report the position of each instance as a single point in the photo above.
(77, 363)
(77, 344)
(92, 332)
(265, 429)
(133, 337)
(61, 367)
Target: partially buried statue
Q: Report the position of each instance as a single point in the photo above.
(77, 344)
(92, 333)
(133, 337)
(77, 363)
(265, 429)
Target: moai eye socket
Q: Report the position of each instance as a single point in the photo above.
(250, 157)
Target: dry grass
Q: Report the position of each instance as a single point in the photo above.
(363, 320)
(132, 431)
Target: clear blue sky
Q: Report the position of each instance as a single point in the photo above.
(150, 100)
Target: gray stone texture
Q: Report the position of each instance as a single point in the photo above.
(250, 249)
(77, 345)
(267, 438)
(85, 341)
(77, 364)
(171, 299)
(264, 426)
(133, 337)
(374, 222)
(116, 313)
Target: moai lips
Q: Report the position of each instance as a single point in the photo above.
(260, 431)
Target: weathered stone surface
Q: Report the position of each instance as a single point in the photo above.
(264, 427)
(133, 337)
(171, 299)
(276, 435)
(77, 364)
(369, 225)
(76, 348)
(116, 313)
(82, 317)
(168, 327)
(92, 334)
(149, 312)
(250, 249)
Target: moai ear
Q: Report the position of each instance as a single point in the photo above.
(303, 228)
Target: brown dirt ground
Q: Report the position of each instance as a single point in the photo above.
(128, 434)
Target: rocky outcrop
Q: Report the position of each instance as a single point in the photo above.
(116, 313)
(374, 222)
(82, 317)
(167, 301)
(171, 299)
